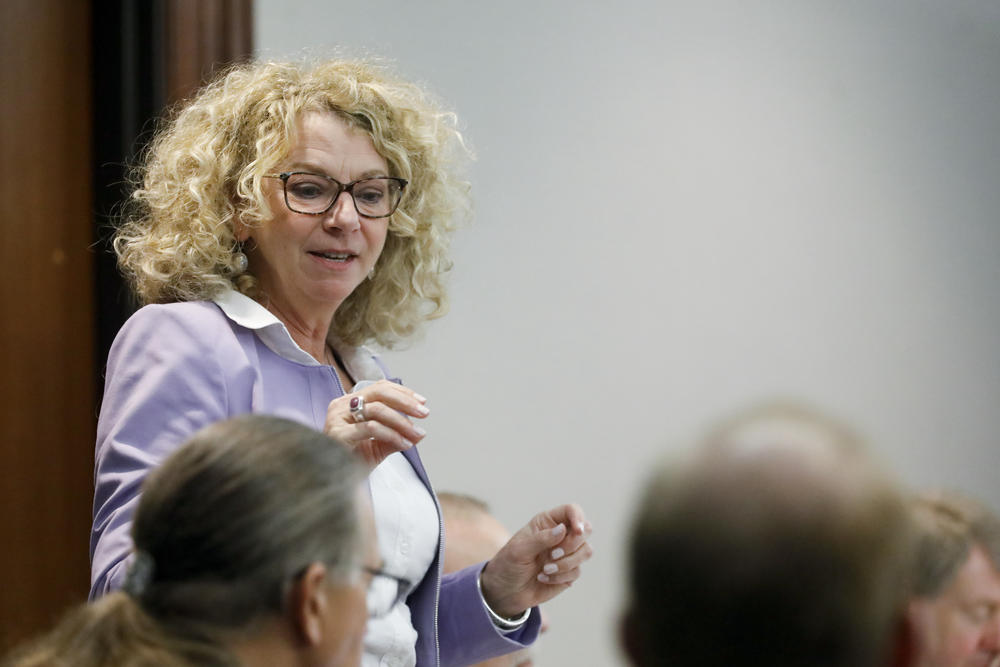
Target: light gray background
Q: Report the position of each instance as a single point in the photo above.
(683, 207)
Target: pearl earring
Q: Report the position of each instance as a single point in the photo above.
(240, 262)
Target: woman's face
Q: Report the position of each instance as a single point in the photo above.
(312, 263)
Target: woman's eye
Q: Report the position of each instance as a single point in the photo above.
(370, 195)
(306, 190)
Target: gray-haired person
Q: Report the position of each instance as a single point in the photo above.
(777, 542)
(955, 611)
(254, 545)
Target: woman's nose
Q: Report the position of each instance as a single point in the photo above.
(343, 215)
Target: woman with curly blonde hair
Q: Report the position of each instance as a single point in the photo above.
(287, 215)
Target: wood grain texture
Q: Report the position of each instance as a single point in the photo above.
(201, 36)
(49, 373)
(46, 331)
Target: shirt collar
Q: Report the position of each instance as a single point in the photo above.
(359, 361)
(271, 331)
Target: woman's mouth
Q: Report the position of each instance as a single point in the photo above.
(333, 256)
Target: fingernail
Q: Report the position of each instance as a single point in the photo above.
(580, 527)
(419, 397)
(422, 410)
(419, 431)
(558, 553)
(407, 444)
(559, 530)
(550, 568)
(543, 578)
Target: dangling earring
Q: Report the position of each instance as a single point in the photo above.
(371, 272)
(240, 261)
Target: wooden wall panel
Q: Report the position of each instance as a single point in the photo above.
(51, 355)
(202, 35)
(46, 330)
(148, 55)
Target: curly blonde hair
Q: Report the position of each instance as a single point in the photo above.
(202, 173)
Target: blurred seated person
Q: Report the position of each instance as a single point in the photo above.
(955, 611)
(777, 543)
(254, 545)
(473, 535)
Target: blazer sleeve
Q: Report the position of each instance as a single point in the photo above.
(467, 634)
(164, 381)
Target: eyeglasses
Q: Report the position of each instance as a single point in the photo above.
(315, 194)
(385, 592)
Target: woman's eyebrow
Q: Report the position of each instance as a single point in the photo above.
(306, 166)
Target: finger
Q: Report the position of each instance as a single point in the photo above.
(531, 544)
(571, 514)
(570, 545)
(576, 519)
(397, 397)
(561, 563)
(373, 450)
(381, 413)
(376, 433)
(559, 578)
(552, 536)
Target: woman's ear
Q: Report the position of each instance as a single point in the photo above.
(309, 604)
(241, 230)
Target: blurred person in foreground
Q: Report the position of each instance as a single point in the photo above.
(955, 611)
(777, 543)
(254, 545)
(473, 535)
(288, 215)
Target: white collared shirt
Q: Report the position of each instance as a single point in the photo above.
(406, 522)
(358, 361)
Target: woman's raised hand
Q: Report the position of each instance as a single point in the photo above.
(375, 421)
(540, 561)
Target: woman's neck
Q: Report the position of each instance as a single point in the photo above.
(309, 331)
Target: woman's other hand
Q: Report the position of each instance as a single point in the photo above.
(539, 562)
(374, 421)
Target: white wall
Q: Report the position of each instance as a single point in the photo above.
(686, 206)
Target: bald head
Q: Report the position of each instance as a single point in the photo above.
(472, 534)
(778, 542)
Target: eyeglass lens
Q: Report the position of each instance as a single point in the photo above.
(311, 193)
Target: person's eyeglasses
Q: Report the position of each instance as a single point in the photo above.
(385, 592)
(315, 194)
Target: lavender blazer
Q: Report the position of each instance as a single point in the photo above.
(174, 368)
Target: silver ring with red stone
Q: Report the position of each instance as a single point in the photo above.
(358, 408)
